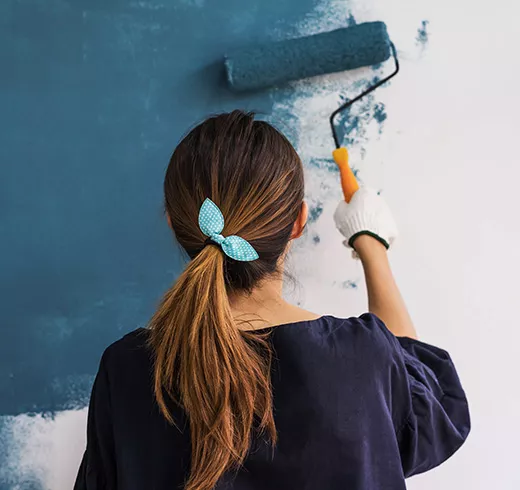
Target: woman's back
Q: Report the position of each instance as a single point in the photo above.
(355, 408)
(206, 397)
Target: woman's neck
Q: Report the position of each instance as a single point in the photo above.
(265, 307)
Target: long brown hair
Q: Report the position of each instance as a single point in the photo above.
(219, 374)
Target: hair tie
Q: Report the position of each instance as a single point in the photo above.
(211, 223)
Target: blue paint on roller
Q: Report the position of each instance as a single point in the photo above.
(262, 66)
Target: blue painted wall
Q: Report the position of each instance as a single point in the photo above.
(94, 95)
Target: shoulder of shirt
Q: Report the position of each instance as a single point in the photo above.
(366, 329)
(367, 333)
(130, 345)
(368, 323)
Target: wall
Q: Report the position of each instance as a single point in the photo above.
(95, 94)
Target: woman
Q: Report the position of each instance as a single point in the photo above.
(231, 387)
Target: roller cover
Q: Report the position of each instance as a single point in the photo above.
(257, 67)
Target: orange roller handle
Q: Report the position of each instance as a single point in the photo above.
(349, 183)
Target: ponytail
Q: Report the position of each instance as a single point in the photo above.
(219, 374)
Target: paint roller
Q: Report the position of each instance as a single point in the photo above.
(258, 67)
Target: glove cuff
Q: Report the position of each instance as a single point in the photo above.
(369, 233)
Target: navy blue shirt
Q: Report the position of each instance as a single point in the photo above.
(355, 408)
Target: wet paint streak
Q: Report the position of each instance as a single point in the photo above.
(78, 261)
(87, 287)
(422, 33)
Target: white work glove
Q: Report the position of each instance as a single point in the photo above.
(366, 214)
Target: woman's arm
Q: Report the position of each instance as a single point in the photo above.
(368, 226)
(428, 403)
(384, 298)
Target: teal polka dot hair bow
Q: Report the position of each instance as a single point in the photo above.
(211, 223)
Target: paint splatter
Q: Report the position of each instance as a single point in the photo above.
(327, 164)
(315, 212)
(422, 33)
(354, 122)
(380, 115)
(349, 284)
(316, 239)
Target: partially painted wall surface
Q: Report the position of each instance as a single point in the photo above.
(96, 94)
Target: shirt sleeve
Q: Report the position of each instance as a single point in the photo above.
(429, 406)
(97, 470)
